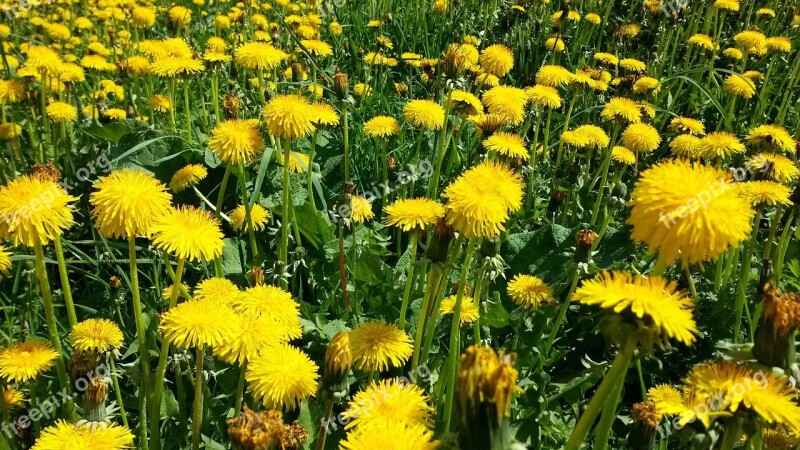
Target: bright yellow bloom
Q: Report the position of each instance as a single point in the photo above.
(776, 167)
(480, 200)
(188, 233)
(236, 141)
(96, 335)
(381, 126)
(413, 213)
(393, 400)
(507, 101)
(507, 144)
(361, 209)
(282, 377)
(554, 76)
(766, 193)
(623, 155)
(424, 114)
(771, 137)
(688, 125)
(654, 300)
(497, 59)
(622, 108)
(377, 346)
(686, 211)
(289, 116)
(25, 361)
(198, 323)
(389, 435)
(64, 435)
(544, 96)
(173, 67)
(259, 56)
(187, 177)
(469, 310)
(719, 144)
(258, 215)
(34, 211)
(739, 86)
(273, 303)
(216, 289)
(125, 203)
(529, 291)
(641, 138)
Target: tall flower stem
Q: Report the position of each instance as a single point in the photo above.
(188, 111)
(222, 188)
(310, 172)
(65, 287)
(604, 177)
(237, 405)
(323, 431)
(197, 409)
(562, 315)
(144, 353)
(115, 382)
(158, 388)
(284, 249)
(52, 326)
(609, 389)
(432, 287)
(412, 244)
(453, 349)
(345, 129)
(744, 276)
(776, 219)
(247, 212)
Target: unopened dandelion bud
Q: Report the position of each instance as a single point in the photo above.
(583, 245)
(297, 72)
(557, 198)
(486, 383)
(775, 336)
(440, 242)
(341, 86)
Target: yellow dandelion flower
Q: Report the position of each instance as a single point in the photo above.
(771, 137)
(646, 84)
(282, 377)
(61, 112)
(393, 400)
(377, 346)
(480, 200)
(99, 335)
(769, 193)
(259, 56)
(686, 145)
(413, 213)
(720, 144)
(324, 115)
(26, 360)
(143, 17)
(187, 177)
(544, 96)
(64, 435)
(339, 355)
(654, 299)
(389, 435)
(11, 91)
(273, 303)
(497, 59)
(188, 233)
(507, 144)
(289, 116)
(606, 58)
(13, 398)
(669, 193)
(236, 141)
(554, 76)
(593, 18)
(424, 114)
(641, 138)
(381, 127)
(5, 260)
(198, 323)
(703, 41)
(463, 102)
(728, 5)
(688, 125)
(622, 108)
(252, 335)
(175, 66)
(739, 86)
(750, 40)
(258, 215)
(776, 167)
(507, 101)
(125, 203)
(529, 291)
(216, 289)
(469, 310)
(361, 209)
(779, 44)
(632, 65)
(34, 210)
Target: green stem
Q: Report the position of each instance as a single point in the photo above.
(144, 353)
(188, 111)
(614, 377)
(453, 349)
(247, 212)
(52, 326)
(562, 314)
(434, 279)
(158, 388)
(197, 410)
(284, 249)
(412, 244)
(237, 407)
(62, 272)
(744, 277)
(115, 382)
